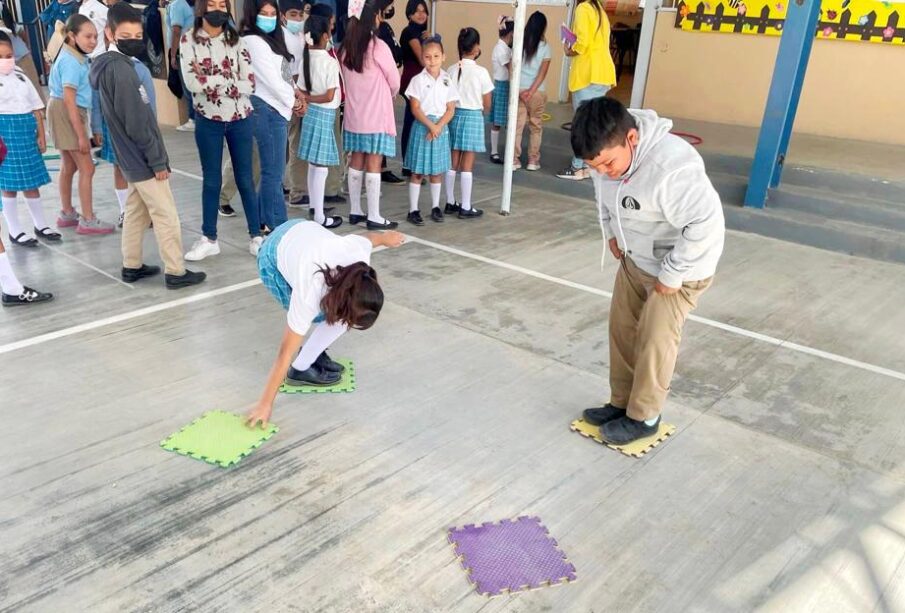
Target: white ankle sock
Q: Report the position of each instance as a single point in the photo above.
(36, 208)
(11, 214)
(121, 195)
(317, 181)
(9, 284)
(467, 180)
(494, 142)
(414, 195)
(435, 195)
(356, 177)
(372, 186)
(451, 186)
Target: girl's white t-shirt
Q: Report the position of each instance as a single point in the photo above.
(324, 76)
(432, 94)
(302, 251)
(473, 83)
(17, 94)
(501, 56)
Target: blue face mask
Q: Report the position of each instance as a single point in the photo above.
(294, 26)
(266, 24)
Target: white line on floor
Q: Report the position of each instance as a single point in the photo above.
(176, 171)
(86, 264)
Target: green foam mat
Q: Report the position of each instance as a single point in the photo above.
(346, 384)
(218, 437)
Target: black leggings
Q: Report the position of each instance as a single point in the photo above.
(407, 122)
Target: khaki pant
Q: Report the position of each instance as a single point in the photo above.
(228, 189)
(296, 175)
(149, 201)
(533, 115)
(645, 331)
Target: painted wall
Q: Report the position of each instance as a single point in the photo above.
(851, 90)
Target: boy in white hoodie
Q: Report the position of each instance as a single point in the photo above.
(663, 221)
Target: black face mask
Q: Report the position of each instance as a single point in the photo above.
(132, 47)
(389, 13)
(217, 19)
(75, 45)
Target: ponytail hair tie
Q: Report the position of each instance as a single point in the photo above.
(308, 40)
(501, 21)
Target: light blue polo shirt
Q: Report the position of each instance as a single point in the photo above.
(70, 70)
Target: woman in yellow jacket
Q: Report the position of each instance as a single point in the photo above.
(592, 73)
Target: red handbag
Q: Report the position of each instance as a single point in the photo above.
(2, 151)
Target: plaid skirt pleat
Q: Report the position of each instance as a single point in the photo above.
(381, 143)
(107, 153)
(428, 157)
(499, 105)
(466, 131)
(270, 274)
(317, 144)
(23, 169)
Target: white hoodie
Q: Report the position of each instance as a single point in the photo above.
(664, 212)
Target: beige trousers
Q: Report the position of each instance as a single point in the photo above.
(645, 331)
(152, 201)
(296, 175)
(531, 114)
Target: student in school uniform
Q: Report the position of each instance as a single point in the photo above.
(293, 15)
(326, 284)
(96, 11)
(19, 36)
(433, 97)
(501, 60)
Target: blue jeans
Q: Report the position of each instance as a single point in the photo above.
(272, 134)
(583, 95)
(239, 136)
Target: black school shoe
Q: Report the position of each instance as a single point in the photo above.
(324, 362)
(386, 225)
(327, 211)
(389, 177)
(313, 376)
(625, 430)
(187, 280)
(226, 210)
(495, 158)
(471, 213)
(356, 219)
(337, 199)
(28, 296)
(131, 275)
(437, 214)
(415, 218)
(452, 208)
(598, 416)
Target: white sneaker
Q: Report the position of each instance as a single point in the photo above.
(532, 166)
(255, 245)
(188, 126)
(202, 249)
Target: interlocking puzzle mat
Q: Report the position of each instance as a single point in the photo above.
(346, 384)
(218, 437)
(510, 556)
(635, 449)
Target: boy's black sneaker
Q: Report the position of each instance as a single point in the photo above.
(312, 376)
(415, 218)
(437, 214)
(406, 172)
(28, 296)
(324, 362)
(452, 208)
(227, 210)
(625, 430)
(600, 415)
(471, 213)
(131, 275)
(187, 280)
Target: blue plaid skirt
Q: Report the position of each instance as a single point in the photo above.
(466, 130)
(428, 157)
(499, 106)
(23, 169)
(317, 143)
(384, 144)
(107, 153)
(270, 274)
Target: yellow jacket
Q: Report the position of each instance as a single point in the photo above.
(593, 64)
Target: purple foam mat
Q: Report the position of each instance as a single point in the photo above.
(511, 555)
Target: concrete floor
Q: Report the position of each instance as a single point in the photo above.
(783, 489)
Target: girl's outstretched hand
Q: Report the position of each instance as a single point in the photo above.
(393, 239)
(259, 414)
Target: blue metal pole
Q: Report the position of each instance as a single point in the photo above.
(782, 101)
(28, 15)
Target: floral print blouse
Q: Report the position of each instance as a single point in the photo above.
(218, 75)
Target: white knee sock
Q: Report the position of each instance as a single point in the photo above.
(356, 177)
(36, 208)
(414, 195)
(435, 195)
(121, 195)
(322, 336)
(11, 214)
(9, 284)
(317, 181)
(372, 187)
(495, 142)
(467, 180)
(451, 186)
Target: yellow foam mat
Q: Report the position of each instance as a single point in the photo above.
(635, 449)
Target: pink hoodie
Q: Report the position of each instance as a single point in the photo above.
(370, 93)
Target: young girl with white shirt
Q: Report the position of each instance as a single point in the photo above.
(433, 97)
(467, 127)
(499, 109)
(22, 131)
(317, 146)
(320, 279)
(275, 99)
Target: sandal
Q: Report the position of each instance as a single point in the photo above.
(48, 235)
(333, 222)
(27, 242)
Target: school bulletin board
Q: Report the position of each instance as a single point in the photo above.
(874, 21)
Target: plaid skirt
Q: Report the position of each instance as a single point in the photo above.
(107, 153)
(466, 130)
(23, 169)
(317, 144)
(499, 106)
(428, 157)
(384, 144)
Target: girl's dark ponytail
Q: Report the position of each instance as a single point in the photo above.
(315, 28)
(468, 38)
